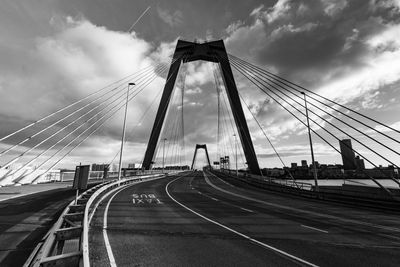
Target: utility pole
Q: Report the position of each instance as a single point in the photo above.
(311, 145)
(236, 156)
(123, 132)
(163, 154)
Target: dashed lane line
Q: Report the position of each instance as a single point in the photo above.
(247, 210)
(321, 215)
(314, 228)
(105, 221)
(264, 245)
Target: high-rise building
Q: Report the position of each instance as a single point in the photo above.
(359, 163)
(293, 165)
(304, 163)
(348, 156)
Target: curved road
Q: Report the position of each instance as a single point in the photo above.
(198, 219)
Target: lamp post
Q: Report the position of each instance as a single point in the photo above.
(123, 132)
(236, 156)
(163, 154)
(311, 145)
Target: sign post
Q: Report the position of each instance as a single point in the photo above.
(80, 179)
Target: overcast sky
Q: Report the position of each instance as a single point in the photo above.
(55, 52)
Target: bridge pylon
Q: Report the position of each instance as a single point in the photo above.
(198, 146)
(214, 52)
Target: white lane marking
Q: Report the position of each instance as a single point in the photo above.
(226, 203)
(100, 201)
(247, 210)
(105, 235)
(292, 257)
(303, 211)
(231, 185)
(316, 229)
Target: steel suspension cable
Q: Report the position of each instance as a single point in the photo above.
(71, 123)
(70, 105)
(234, 129)
(265, 134)
(121, 104)
(326, 112)
(327, 121)
(293, 86)
(373, 179)
(85, 138)
(166, 106)
(53, 124)
(137, 125)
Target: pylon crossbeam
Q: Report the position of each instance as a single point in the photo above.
(214, 52)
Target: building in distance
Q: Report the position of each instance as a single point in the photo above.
(348, 156)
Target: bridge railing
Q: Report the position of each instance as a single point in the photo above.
(66, 243)
(94, 202)
(66, 231)
(270, 180)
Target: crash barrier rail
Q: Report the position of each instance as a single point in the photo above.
(360, 196)
(66, 243)
(267, 179)
(93, 203)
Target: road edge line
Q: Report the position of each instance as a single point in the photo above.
(292, 257)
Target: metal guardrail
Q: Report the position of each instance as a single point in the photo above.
(97, 198)
(366, 198)
(268, 179)
(66, 243)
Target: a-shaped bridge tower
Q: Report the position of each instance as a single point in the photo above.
(214, 52)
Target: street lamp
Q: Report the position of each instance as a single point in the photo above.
(236, 156)
(311, 146)
(123, 131)
(163, 154)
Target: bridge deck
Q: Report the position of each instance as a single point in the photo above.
(198, 220)
(10, 192)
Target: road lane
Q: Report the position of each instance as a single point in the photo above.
(355, 237)
(146, 227)
(25, 220)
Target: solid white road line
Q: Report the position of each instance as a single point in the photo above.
(292, 257)
(302, 211)
(100, 201)
(247, 210)
(105, 235)
(316, 229)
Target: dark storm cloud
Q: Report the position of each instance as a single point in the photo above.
(306, 37)
(65, 49)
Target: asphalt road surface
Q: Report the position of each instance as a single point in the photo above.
(197, 219)
(25, 220)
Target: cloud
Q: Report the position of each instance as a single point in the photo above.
(58, 69)
(395, 125)
(171, 18)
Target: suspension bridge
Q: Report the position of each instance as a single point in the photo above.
(234, 211)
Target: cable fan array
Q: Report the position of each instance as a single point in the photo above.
(170, 150)
(329, 118)
(228, 142)
(45, 143)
